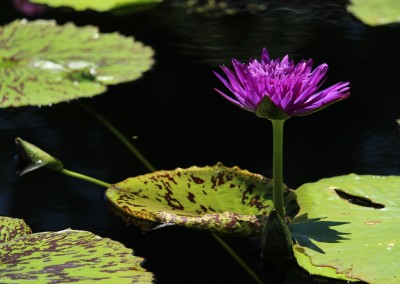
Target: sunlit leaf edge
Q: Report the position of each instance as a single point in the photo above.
(100, 6)
(304, 261)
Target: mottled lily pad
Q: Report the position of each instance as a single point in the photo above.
(69, 256)
(11, 228)
(101, 6)
(218, 198)
(376, 12)
(44, 63)
(348, 228)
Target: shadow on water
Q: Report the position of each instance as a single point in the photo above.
(180, 121)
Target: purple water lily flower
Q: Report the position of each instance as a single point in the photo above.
(292, 89)
(29, 9)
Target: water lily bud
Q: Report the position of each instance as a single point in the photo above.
(276, 240)
(29, 9)
(35, 158)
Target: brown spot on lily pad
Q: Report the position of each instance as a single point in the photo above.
(191, 197)
(373, 222)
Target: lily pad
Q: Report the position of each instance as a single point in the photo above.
(69, 256)
(348, 228)
(101, 6)
(217, 198)
(11, 228)
(376, 12)
(44, 63)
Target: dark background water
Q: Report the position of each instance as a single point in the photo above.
(180, 121)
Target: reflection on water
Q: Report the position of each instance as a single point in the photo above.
(180, 121)
(284, 27)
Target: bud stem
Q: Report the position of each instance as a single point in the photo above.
(84, 177)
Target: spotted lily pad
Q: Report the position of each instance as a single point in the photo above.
(218, 198)
(101, 6)
(44, 63)
(69, 256)
(11, 228)
(348, 228)
(376, 12)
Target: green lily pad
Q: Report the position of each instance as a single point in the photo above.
(376, 12)
(348, 228)
(69, 256)
(217, 198)
(44, 63)
(11, 228)
(101, 6)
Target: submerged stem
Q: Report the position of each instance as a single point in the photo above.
(150, 167)
(84, 177)
(277, 176)
(237, 258)
(119, 135)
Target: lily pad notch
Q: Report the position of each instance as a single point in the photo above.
(348, 228)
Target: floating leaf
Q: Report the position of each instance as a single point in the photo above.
(219, 199)
(43, 63)
(348, 228)
(103, 5)
(69, 256)
(11, 228)
(376, 12)
(144, 225)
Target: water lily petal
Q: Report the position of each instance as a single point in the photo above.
(291, 87)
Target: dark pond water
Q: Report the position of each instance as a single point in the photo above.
(180, 121)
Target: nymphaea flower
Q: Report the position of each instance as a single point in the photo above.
(279, 89)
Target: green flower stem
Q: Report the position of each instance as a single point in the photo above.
(84, 177)
(277, 176)
(237, 258)
(118, 134)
